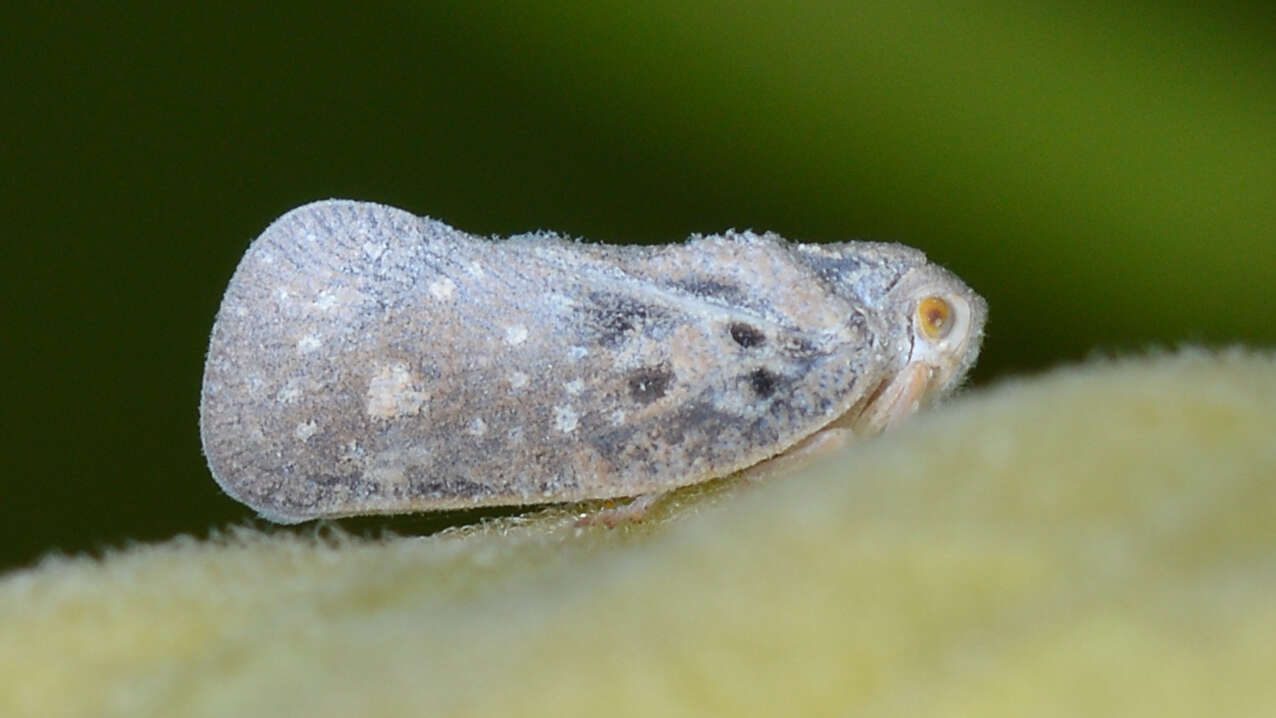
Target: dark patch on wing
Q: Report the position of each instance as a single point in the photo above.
(835, 267)
(420, 485)
(857, 278)
(698, 431)
(649, 383)
(747, 335)
(332, 480)
(616, 318)
(763, 382)
(306, 498)
(715, 288)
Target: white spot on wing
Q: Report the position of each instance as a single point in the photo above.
(565, 418)
(518, 379)
(477, 427)
(442, 289)
(516, 334)
(306, 430)
(288, 393)
(326, 300)
(352, 451)
(394, 391)
(308, 343)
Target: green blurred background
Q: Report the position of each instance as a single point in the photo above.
(1102, 173)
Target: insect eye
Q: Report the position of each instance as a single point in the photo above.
(934, 317)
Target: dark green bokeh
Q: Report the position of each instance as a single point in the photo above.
(1103, 175)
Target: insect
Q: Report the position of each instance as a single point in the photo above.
(365, 360)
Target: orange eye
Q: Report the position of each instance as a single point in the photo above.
(934, 317)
